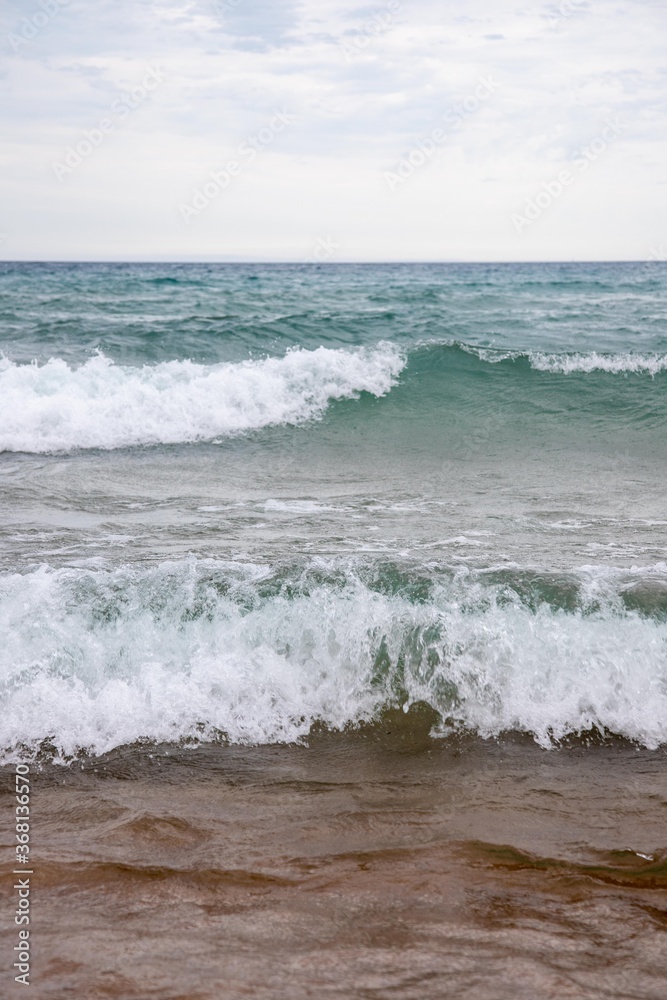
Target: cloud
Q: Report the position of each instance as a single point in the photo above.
(366, 85)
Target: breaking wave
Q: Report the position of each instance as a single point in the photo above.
(55, 407)
(99, 658)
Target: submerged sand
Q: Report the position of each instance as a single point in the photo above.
(379, 864)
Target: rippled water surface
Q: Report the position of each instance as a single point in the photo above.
(377, 864)
(333, 606)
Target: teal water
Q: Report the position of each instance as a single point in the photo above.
(238, 500)
(145, 313)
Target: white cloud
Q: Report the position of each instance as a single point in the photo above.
(563, 71)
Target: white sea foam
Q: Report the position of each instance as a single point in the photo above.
(566, 363)
(98, 658)
(650, 363)
(297, 506)
(616, 364)
(54, 407)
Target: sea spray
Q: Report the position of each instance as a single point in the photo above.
(56, 407)
(95, 659)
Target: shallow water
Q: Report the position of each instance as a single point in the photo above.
(369, 865)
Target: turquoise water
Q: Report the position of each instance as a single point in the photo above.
(240, 499)
(146, 313)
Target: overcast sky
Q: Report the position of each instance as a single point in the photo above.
(411, 130)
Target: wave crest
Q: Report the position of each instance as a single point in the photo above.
(566, 362)
(96, 659)
(54, 407)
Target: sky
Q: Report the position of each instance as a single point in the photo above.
(320, 130)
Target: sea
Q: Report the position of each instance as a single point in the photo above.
(333, 620)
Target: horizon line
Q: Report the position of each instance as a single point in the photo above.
(311, 263)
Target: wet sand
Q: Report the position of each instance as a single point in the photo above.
(379, 864)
